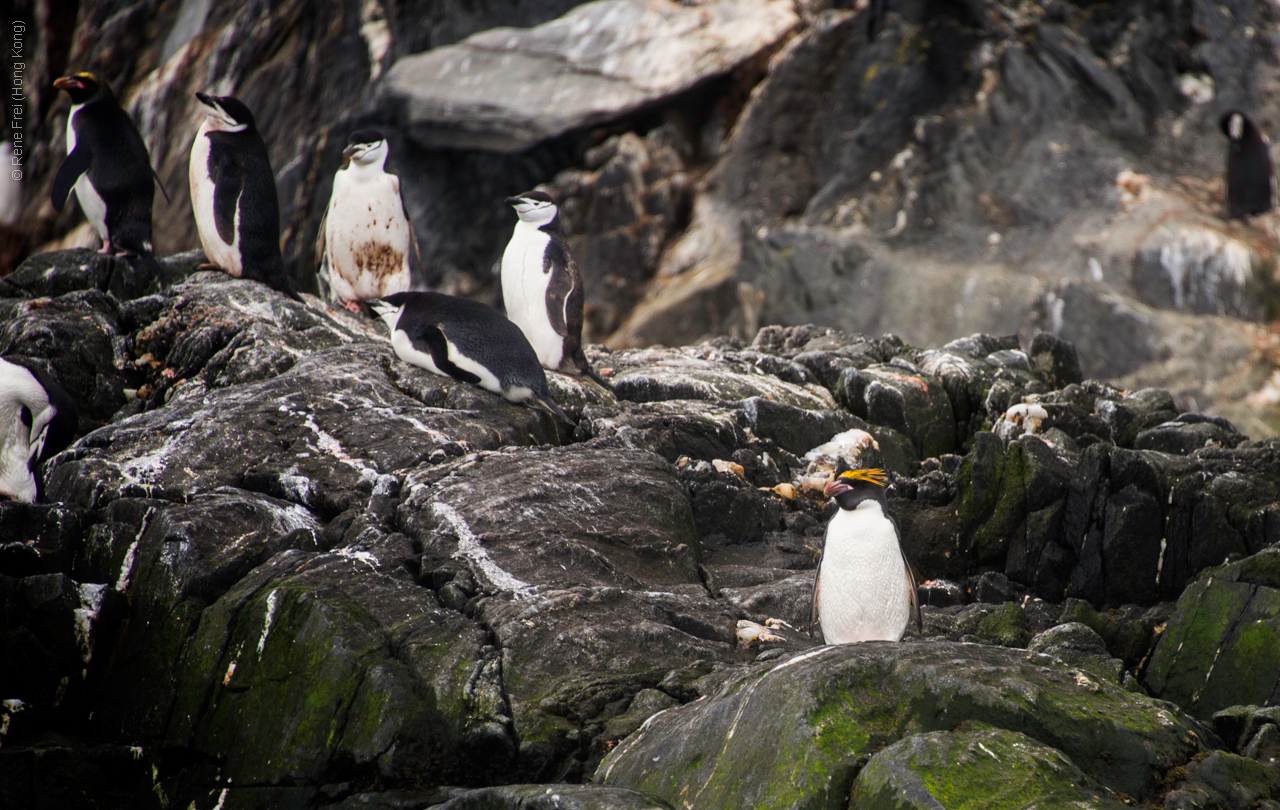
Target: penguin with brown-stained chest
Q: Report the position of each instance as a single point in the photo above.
(366, 234)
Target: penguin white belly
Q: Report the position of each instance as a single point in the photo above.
(366, 239)
(18, 388)
(405, 350)
(524, 292)
(863, 595)
(91, 202)
(217, 251)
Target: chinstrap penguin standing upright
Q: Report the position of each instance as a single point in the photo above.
(468, 341)
(863, 589)
(1251, 185)
(233, 195)
(108, 167)
(37, 420)
(542, 288)
(366, 234)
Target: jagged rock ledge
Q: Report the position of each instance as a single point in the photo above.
(281, 568)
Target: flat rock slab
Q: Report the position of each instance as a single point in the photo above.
(558, 518)
(792, 734)
(319, 435)
(506, 88)
(705, 373)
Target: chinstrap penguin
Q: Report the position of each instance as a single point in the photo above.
(108, 167)
(542, 288)
(468, 341)
(863, 589)
(233, 195)
(38, 419)
(1250, 182)
(366, 233)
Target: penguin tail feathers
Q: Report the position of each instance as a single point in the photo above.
(555, 410)
(584, 368)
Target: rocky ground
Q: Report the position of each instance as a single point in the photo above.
(280, 568)
(928, 168)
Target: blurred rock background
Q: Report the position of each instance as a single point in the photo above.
(924, 168)
(921, 167)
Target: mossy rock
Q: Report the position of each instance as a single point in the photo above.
(977, 769)
(1220, 647)
(313, 667)
(794, 734)
(1006, 627)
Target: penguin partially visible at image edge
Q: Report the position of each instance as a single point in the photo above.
(38, 419)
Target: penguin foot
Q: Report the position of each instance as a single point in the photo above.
(208, 266)
(106, 249)
(353, 306)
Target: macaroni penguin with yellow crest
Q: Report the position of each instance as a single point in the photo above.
(863, 589)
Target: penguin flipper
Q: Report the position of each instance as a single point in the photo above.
(911, 595)
(228, 185)
(75, 165)
(160, 183)
(404, 211)
(430, 338)
(560, 287)
(817, 587)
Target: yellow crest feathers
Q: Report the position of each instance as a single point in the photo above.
(873, 475)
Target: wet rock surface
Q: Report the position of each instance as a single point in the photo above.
(283, 568)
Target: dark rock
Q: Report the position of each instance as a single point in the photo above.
(1055, 360)
(994, 587)
(797, 698)
(909, 402)
(1186, 435)
(701, 373)
(62, 772)
(1077, 645)
(940, 593)
(1005, 627)
(605, 518)
(552, 797)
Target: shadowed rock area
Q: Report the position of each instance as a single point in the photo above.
(279, 567)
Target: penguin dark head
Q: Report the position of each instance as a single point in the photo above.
(534, 207)
(856, 486)
(388, 309)
(366, 147)
(227, 113)
(84, 87)
(1238, 127)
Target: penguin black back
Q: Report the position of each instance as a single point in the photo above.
(1250, 179)
(480, 330)
(106, 150)
(243, 184)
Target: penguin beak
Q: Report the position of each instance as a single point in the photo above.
(835, 488)
(207, 100)
(514, 200)
(67, 82)
(350, 151)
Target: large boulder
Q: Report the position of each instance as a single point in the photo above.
(815, 717)
(599, 62)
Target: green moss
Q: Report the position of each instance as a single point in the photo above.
(1007, 627)
(1262, 568)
